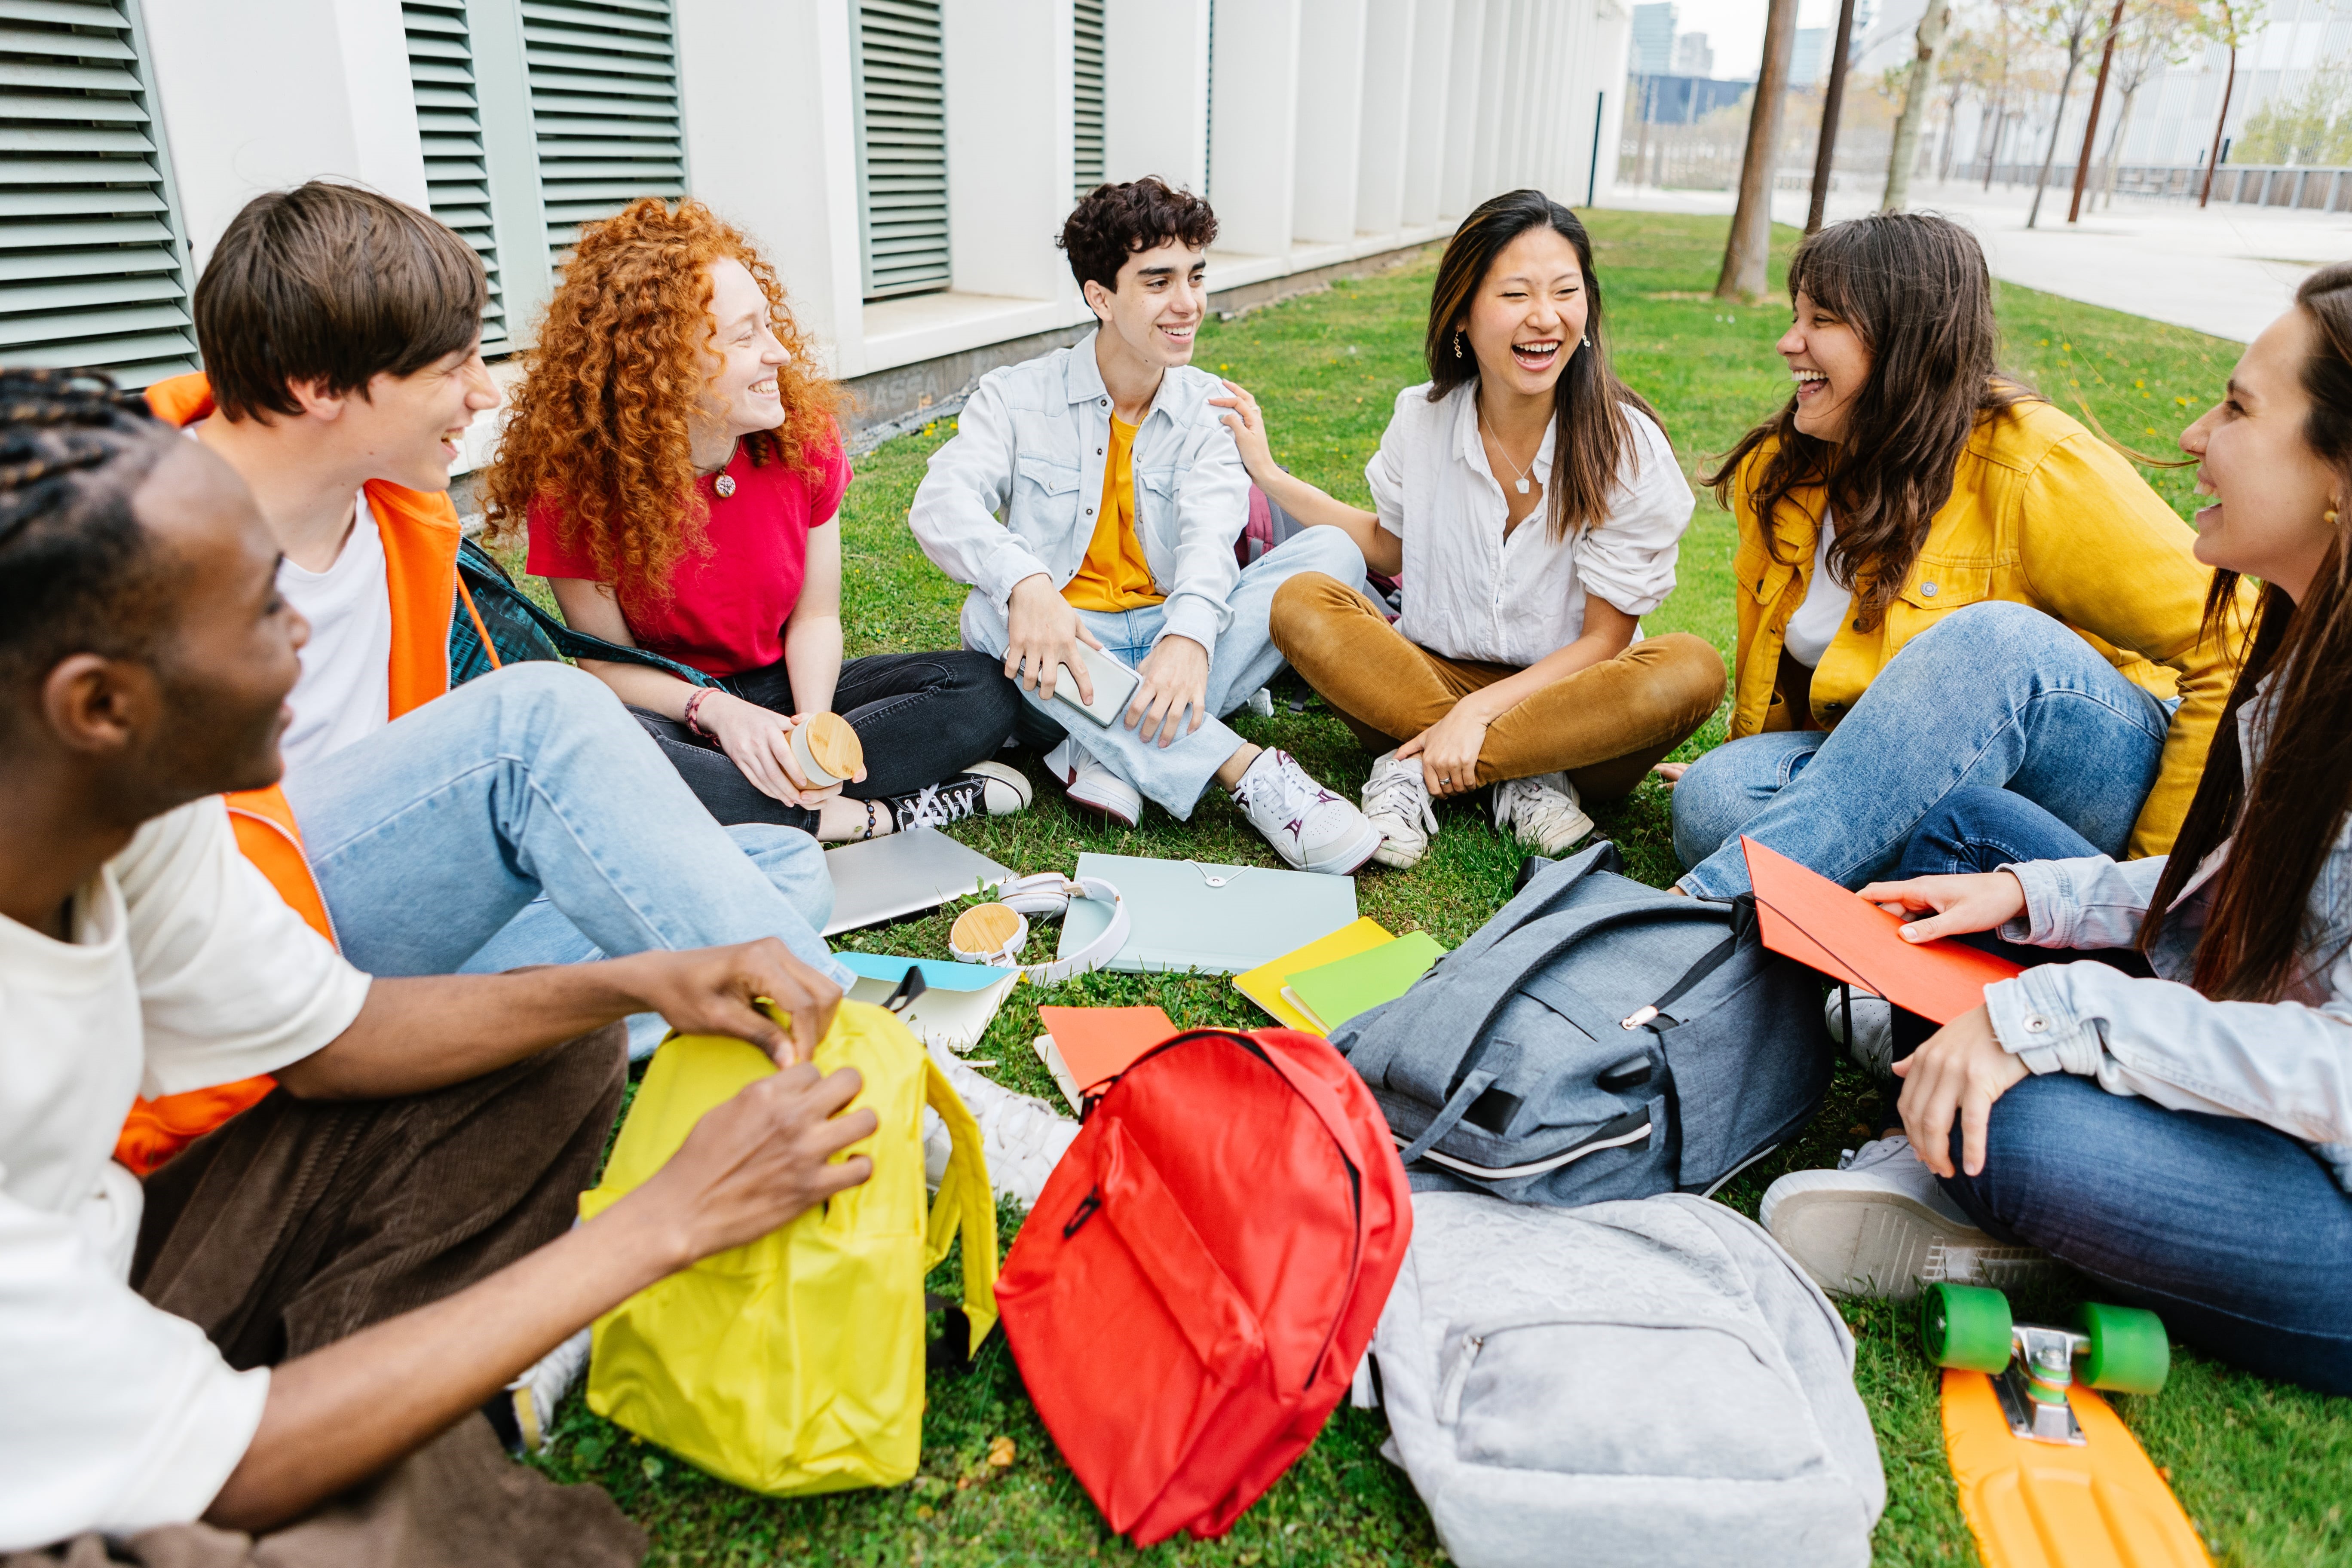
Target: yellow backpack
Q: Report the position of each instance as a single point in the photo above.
(794, 1363)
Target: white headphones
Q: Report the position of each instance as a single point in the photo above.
(1046, 894)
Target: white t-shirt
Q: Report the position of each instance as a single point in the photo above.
(1471, 593)
(344, 692)
(1820, 618)
(186, 970)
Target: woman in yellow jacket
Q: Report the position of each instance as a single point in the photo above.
(1942, 582)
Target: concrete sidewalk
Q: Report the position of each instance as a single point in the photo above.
(2228, 271)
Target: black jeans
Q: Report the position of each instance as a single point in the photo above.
(922, 717)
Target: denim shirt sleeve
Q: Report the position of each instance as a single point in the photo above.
(2091, 902)
(1212, 509)
(954, 516)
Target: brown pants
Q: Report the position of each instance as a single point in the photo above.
(300, 1222)
(1604, 726)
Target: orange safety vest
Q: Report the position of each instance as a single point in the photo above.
(421, 533)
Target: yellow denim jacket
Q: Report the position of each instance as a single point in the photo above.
(2043, 513)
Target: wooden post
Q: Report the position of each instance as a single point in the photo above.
(2229, 85)
(1747, 253)
(2098, 95)
(1825, 145)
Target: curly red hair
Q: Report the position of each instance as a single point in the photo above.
(598, 426)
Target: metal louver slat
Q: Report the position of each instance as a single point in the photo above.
(604, 109)
(1086, 94)
(449, 123)
(902, 154)
(93, 271)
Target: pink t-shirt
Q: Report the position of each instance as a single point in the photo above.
(728, 606)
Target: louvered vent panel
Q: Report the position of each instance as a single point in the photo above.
(902, 146)
(604, 107)
(1087, 93)
(92, 268)
(449, 120)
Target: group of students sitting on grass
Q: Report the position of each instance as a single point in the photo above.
(257, 856)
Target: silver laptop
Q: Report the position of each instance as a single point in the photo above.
(904, 874)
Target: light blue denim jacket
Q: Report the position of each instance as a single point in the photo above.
(2287, 1064)
(1030, 448)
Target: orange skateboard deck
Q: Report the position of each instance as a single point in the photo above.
(2100, 1504)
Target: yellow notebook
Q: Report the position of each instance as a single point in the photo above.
(1263, 985)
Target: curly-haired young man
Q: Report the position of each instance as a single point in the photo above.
(1122, 495)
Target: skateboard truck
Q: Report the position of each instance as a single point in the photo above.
(2033, 1387)
(2032, 1365)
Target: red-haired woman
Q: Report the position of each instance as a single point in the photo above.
(674, 454)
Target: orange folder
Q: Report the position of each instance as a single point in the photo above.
(1810, 919)
(1099, 1043)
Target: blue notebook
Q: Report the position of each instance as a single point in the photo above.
(1177, 921)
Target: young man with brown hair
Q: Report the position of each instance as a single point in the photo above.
(1122, 495)
(287, 1330)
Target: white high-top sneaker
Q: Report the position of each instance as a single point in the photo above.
(1311, 828)
(1396, 801)
(1541, 812)
(1021, 1138)
(1880, 1225)
(1872, 1046)
(538, 1391)
(1092, 785)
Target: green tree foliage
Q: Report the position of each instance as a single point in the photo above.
(2313, 126)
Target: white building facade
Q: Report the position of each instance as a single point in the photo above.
(906, 164)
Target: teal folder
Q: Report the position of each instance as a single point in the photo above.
(1177, 921)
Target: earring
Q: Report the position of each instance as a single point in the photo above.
(2329, 517)
(1457, 345)
(1588, 342)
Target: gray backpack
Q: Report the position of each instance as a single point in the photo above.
(1597, 1038)
(1648, 1383)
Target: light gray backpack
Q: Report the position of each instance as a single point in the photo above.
(1650, 1380)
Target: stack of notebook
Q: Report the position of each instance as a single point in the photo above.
(1355, 969)
(1085, 1047)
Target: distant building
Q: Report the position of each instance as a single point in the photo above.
(1809, 61)
(1692, 57)
(1682, 99)
(1652, 52)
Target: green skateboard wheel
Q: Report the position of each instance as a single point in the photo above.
(1965, 1326)
(2129, 1354)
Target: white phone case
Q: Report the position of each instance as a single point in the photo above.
(1114, 685)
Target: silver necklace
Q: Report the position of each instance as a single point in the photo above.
(725, 483)
(1521, 486)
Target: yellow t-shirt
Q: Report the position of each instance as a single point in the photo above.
(1114, 575)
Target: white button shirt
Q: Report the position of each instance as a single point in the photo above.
(1472, 593)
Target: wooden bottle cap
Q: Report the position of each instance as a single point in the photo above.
(828, 741)
(984, 928)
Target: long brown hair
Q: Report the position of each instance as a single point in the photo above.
(1592, 435)
(1914, 287)
(599, 426)
(2287, 817)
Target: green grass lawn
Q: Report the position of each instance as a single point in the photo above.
(2264, 1470)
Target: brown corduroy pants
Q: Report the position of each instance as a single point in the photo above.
(1604, 726)
(302, 1222)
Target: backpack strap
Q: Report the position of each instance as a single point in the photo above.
(479, 569)
(963, 1208)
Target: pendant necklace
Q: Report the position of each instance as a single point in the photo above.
(725, 483)
(1521, 484)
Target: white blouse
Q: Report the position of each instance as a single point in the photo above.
(1472, 593)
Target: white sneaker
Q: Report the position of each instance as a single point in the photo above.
(538, 1392)
(1092, 785)
(1541, 812)
(1311, 828)
(1396, 801)
(1022, 1139)
(1880, 1225)
(1872, 1046)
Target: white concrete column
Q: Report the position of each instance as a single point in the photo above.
(1156, 91)
(1330, 119)
(1486, 178)
(1010, 157)
(1254, 125)
(781, 163)
(1428, 62)
(257, 95)
(1387, 118)
(1464, 72)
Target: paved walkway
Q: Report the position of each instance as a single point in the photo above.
(2228, 271)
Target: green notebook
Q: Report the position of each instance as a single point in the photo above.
(1336, 992)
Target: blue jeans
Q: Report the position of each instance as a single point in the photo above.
(1244, 660)
(1995, 694)
(2232, 1231)
(525, 818)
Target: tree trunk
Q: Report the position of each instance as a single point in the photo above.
(1825, 144)
(2057, 122)
(2091, 128)
(2115, 142)
(1999, 128)
(2229, 85)
(1748, 251)
(1916, 94)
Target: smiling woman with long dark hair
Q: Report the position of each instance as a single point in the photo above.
(1535, 508)
(1941, 581)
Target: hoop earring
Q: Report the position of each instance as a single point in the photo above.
(1457, 345)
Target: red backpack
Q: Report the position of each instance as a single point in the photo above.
(1192, 1293)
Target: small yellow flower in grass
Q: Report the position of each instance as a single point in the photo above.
(924, 1513)
(1000, 1453)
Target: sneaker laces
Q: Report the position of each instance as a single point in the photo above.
(1877, 1152)
(1538, 811)
(1396, 790)
(929, 807)
(1281, 789)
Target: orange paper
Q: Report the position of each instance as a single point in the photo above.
(1097, 1044)
(1810, 919)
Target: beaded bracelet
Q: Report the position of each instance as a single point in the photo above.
(692, 703)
